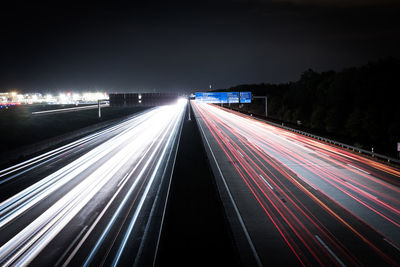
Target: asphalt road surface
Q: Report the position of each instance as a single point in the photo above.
(195, 231)
(292, 200)
(97, 201)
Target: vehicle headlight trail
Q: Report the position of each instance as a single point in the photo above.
(54, 201)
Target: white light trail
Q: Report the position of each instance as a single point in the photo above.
(62, 110)
(145, 132)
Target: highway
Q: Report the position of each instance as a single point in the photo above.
(97, 201)
(292, 200)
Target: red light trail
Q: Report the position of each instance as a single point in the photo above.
(300, 183)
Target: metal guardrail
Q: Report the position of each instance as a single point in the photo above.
(353, 148)
(333, 142)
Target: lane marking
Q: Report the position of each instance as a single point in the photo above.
(253, 249)
(62, 110)
(92, 227)
(363, 191)
(74, 144)
(166, 201)
(94, 224)
(145, 194)
(330, 251)
(354, 167)
(126, 197)
(309, 183)
(393, 245)
(240, 153)
(266, 182)
(123, 179)
(71, 245)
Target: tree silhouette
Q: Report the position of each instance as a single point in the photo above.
(356, 105)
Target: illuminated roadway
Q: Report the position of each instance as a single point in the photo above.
(97, 201)
(292, 200)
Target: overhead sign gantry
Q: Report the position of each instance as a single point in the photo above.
(223, 97)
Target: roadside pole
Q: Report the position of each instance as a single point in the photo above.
(98, 105)
(188, 108)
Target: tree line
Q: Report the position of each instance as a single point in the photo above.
(359, 105)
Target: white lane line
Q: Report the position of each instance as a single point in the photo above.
(172, 137)
(165, 203)
(67, 261)
(112, 199)
(393, 245)
(253, 249)
(142, 199)
(322, 154)
(28, 243)
(29, 197)
(123, 179)
(309, 183)
(363, 191)
(61, 110)
(42, 230)
(266, 182)
(67, 147)
(309, 164)
(160, 136)
(71, 245)
(354, 167)
(330, 251)
(52, 153)
(47, 185)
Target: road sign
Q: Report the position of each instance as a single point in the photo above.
(212, 97)
(245, 97)
(233, 97)
(398, 146)
(223, 97)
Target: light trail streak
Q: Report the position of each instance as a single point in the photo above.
(273, 218)
(136, 143)
(280, 146)
(56, 152)
(127, 196)
(142, 199)
(237, 212)
(63, 110)
(21, 202)
(257, 152)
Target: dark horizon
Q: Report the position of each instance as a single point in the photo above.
(185, 47)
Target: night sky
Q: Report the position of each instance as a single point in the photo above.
(185, 46)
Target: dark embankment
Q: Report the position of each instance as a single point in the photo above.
(357, 106)
(20, 128)
(24, 135)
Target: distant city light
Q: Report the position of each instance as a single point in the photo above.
(61, 98)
